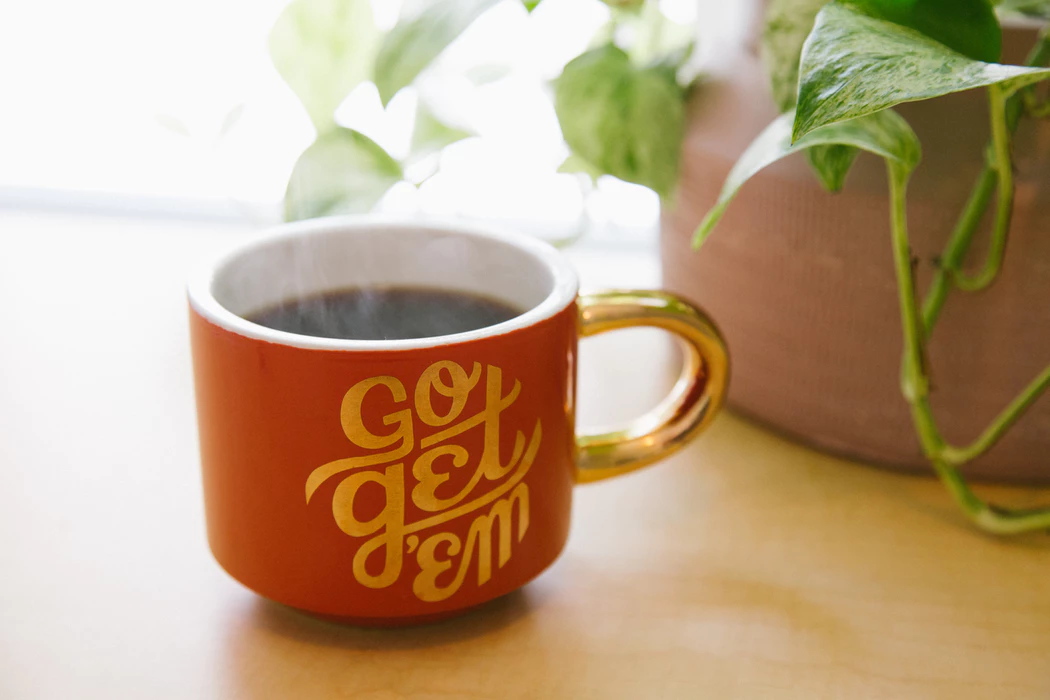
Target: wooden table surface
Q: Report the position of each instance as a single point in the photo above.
(744, 567)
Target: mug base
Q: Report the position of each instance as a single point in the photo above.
(391, 622)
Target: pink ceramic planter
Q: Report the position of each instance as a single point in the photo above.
(802, 282)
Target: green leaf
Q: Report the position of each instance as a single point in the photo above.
(342, 172)
(231, 119)
(832, 164)
(658, 39)
(885, 134)
(323, 49)
(575, 165)
(632, 5)
(430, 134)
(855, 64)
(486, 73)
(969, 27)
(172, 124)
(419, 36)
(625, 120)
(787, 24)
(530, 5)
(1039, 9)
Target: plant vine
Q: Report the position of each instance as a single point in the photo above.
(918, 324)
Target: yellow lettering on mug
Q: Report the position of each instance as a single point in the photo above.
(425, 584)
(495, 404)
(389, 523)
(423, 494)
(352, 410)
(500, 514)
(385, 533)
(479, 538)
(457, 390)
(351, 418)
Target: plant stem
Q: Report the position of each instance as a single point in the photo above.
(957, 246)
(962, 236)
(914, 384)
(1033, 107)
(1040, 53)
(1004, 170)
(1038, 57)
(1005, 113)
(988, 517)
(1002, 422)
(915, 387)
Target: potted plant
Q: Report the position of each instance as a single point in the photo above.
(838, 71)
(861, 59)
(808, 272)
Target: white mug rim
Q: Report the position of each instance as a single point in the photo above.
(564, 288)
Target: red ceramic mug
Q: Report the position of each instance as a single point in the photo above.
(400, 481)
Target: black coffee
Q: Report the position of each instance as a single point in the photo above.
(385, 313)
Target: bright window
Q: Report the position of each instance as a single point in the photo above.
(176, 105)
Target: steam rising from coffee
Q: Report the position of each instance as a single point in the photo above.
(395, 287)
(392, 313)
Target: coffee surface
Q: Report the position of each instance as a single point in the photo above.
(392, 313)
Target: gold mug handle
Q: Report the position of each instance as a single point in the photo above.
(693, 402)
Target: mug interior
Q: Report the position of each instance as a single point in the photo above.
(326, 255)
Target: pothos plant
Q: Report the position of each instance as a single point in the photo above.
(859, 58)
(620, 103)
(836, 70)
